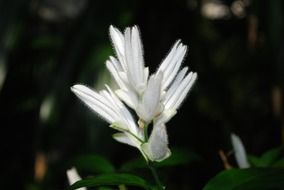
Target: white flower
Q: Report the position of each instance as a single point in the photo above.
(154, 99)
(239, 151)
(109, 107)
(163, 92)
(73, 177)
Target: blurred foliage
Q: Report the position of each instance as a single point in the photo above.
(248, 179)
(48, 45)
(111, 180)
(93, 164)
(267, 159)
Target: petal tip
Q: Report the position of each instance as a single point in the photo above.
(76, 87)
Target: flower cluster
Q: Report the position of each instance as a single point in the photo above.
(155, 98)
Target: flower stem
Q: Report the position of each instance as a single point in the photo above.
(156, 177)
(146, 133)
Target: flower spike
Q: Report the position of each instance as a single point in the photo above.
(154, 98)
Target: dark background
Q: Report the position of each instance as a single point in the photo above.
(235, 46)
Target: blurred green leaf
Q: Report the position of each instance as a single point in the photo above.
(279, 164)
(93, 163)
(112, 180)
(266, 159)
(271, 156)
(255, 161)
(33, 186)
(134, 164)
(46, 42)
(247, 179)
(178, 157)
(104, 188)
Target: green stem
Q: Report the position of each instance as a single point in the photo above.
(146, 133)
(135, 136)
(156, 177)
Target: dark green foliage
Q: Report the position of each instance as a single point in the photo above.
(112, 180)
(269, 158)
(93, 164)
(248, 179)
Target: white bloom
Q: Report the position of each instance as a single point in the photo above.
(154, 99)
(239, 151)
(73, 177)
(109, 107)
(164, 92)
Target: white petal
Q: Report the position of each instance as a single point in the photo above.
(128, 139)
(169, 57)
(181, 91)
(176, 83)
(166, 115)
(150, 105)
(131, 72)
(128, 97)
(171, 72)
(137, 48)
(156, 148)
(73, 177)
(116, 64)
(119, 125)
(118, 43)
(126, 81)
(135, 63)
(185, 91)
(123, 138)
(107, 105)
(239, 151)
(146, 73)
(172, 63)
(123, 111)
(96, 102)
(115, 74)
(117, 39)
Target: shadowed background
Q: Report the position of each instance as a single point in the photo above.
(235, 46)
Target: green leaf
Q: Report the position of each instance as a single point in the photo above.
(114, 179)
(178, 157)
(256, 161)
(248, 179)
(104, 188)
(267, 159)
(271, 156)
(139, 163)
(93, 163)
